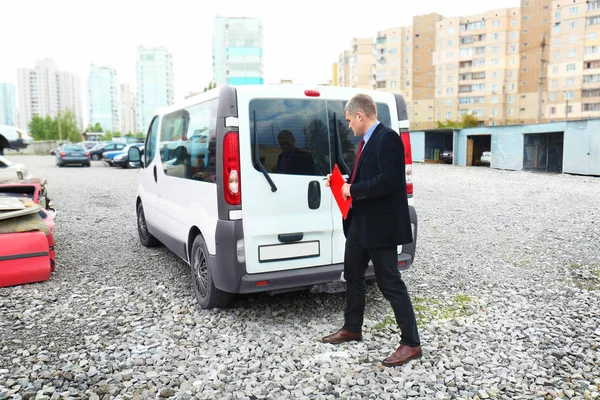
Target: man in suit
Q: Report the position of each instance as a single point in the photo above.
(378, 221)
(293, 160)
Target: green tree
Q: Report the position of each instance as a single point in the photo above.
(97, 127)
(42, 128)
(140, 135)
(66, 126)
(211, 85)
(106, 137)
(467, 121)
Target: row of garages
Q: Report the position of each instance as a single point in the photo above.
(563, 147)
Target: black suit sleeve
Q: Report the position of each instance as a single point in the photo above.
(390, 163)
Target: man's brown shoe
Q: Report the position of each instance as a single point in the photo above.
(402, 355)
(342, 336)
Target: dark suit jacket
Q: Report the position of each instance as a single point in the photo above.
(379, 201)
(296, 162)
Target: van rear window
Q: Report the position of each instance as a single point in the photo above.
(292, 136)
(300, 136)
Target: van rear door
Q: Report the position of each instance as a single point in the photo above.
(284, 138)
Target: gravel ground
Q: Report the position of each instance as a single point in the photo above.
(506, 286)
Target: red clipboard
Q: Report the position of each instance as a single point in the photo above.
(336, 183)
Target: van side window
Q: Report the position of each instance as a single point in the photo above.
(188, 142)
(292, 136)
(348, 140)
(150, 148)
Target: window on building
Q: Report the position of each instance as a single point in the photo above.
(553, 96)
(572, 25)
(570, 81)
(448, 114)
(496, 23)
(571, 67)
(511, 99)
(571, 53)
(592, 35)
(573, 10)
(552, 110)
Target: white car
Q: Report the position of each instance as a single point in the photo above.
(13, 138)
(10, 171)
(486, 157)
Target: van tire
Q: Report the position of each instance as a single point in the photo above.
(207, 295)
(146, 238)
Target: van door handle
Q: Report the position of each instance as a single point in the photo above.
(314, 195)
(155, 176)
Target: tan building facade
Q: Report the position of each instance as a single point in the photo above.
(355, 65)
(538, 62)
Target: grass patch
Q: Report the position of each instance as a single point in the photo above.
(428, 309)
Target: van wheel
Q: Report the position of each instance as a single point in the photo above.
(207, 295)
(146, 238)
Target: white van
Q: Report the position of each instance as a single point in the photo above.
(233, 183)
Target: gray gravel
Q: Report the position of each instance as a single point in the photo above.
(506, 286)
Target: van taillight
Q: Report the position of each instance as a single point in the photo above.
(231, 169)
(405, 135)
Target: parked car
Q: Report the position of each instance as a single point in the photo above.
(9, 171)
(109, 156)
(486, 157)
(447, 156)
(13, 138)
(122, 160)
(97, 151)
(71, 154)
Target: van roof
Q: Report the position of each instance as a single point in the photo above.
(280, 90)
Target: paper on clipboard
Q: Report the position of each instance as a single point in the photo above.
(336, 183)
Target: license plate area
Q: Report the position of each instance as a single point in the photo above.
(289, 251)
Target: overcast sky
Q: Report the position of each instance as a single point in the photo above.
(301, 38)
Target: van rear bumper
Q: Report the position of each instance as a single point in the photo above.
(231, 276)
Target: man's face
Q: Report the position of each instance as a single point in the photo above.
(356, 123)
(287, 143)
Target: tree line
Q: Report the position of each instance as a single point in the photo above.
(64, 127)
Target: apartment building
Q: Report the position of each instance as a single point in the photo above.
(574, 61)
(128, 110)
(356, 64)
(393, 61)
(477, 67)
(8, 104)
(238, 51)
(103, 86)
(45, 90)
(154, 80)
(538, 62)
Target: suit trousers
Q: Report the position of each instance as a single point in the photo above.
(385, 262)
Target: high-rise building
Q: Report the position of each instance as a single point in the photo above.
(154, 77)
(573, 61)
(344, 69)
(393, 61)
(128, 114)
(238, 51)
(45, 90)
(537, 62)
(356, 64)
(8, 104)
(104, 98)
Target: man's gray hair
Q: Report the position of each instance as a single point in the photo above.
(363, 103)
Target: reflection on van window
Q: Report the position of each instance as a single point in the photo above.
(292, 136)
(188, 142)
(349, 142)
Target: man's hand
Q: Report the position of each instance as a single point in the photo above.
(346, 191)
(328, 180)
